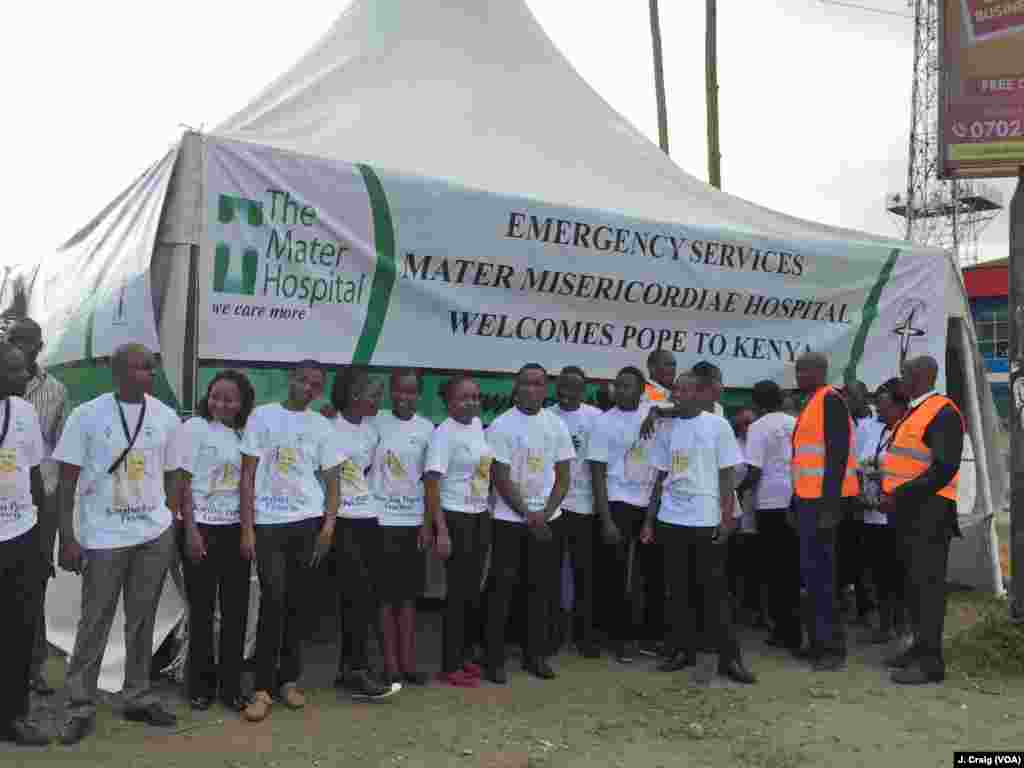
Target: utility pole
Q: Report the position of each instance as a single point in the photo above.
(659, 78)
(1016, 311)
(711, 74)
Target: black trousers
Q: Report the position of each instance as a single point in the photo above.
(695, 573)
(463, 574)
(781, 545)
(927, 531)
(519, 557)
(745, 570)
(885, 560)
(578, 533)
(628, 624)
(22, 578)
(355, 542)
(222, 572)
(851, 557)
(287, 600)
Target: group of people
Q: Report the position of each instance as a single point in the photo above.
(641, 498)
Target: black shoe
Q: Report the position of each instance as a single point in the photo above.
(778, 641)
(76, 729)
(624, 653)
(915, 675)
(880, 637)
(237, 704)
(902, 660)
(651, 648)
(539, 667)
(360, 685)
(735, 670)
(590, 651)
(151, 714)
(415, 678)
(829, 662)
(678, 661)
(25, 734)
(39, 686)
(200, 703)
(806, 653)
(496, 675)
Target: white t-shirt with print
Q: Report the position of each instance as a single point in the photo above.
(530, 446)
(212, 454)
(127, 507)
(580, 424)
(692, 451)
(616, 442)
(292, 446)
(357, 443)
(21, 450)
(869, 452)
(398, 468)
(461, 455)
(770, 449)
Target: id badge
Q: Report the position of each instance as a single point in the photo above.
(680, 463)
(135, 467)
(286, 459)
(534, 463)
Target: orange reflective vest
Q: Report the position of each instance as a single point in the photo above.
(809, 451)
(907, 456)
(654, 393)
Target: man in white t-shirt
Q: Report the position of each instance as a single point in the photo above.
(287, 527)
(622, 481)
(769, 455)
(578, 522)
(115, 455)
(23, 569)
(531, 470)
(693, 502)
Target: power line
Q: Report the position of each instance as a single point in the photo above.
(868, 8)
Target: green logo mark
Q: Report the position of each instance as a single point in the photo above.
(225, 279)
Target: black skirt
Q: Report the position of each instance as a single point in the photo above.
(401, 566)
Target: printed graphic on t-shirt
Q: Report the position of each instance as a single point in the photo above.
(284, 472)
(396, 479)
(680, 462)
(529, 471)
(225, 479)
(130, 487)
(480, 483)
(637, 467)
(8, 471)
(353, 480)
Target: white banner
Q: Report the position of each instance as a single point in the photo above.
(94, 294)
(305, 257)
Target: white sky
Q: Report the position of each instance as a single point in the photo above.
(814, 98)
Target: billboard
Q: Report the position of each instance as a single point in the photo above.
(982, 65)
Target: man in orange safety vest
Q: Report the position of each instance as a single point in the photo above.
(920, 479)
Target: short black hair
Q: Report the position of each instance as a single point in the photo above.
(245, 389)
(573, 370)
(532, 367)
(894, 388)
(659, 352)
(307, 365)
(401, 373)
(346, 383)
(632, 370)
(767, 395)
(706, 371)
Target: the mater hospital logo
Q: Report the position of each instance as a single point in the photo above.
(912, 324)
(235, 267)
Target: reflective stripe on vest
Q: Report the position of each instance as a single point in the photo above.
(908, 457)
(809, 452)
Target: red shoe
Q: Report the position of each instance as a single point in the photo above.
(473, 670)
(458, 679)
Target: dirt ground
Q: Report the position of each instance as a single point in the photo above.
(598, 713)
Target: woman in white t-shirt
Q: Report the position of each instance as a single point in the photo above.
(355, 398)
(397, 478)
(208, 455)
(881, 540)
(458, 481)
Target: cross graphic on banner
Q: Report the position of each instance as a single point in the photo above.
(907, 331)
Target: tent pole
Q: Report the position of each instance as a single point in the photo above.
(711, 74)
(1016, 311)
(659, 78)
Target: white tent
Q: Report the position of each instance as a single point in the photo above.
(474, 94)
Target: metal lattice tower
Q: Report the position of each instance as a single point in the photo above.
(947, 214)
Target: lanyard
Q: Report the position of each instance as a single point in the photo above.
(7, 419)
(129, 436)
